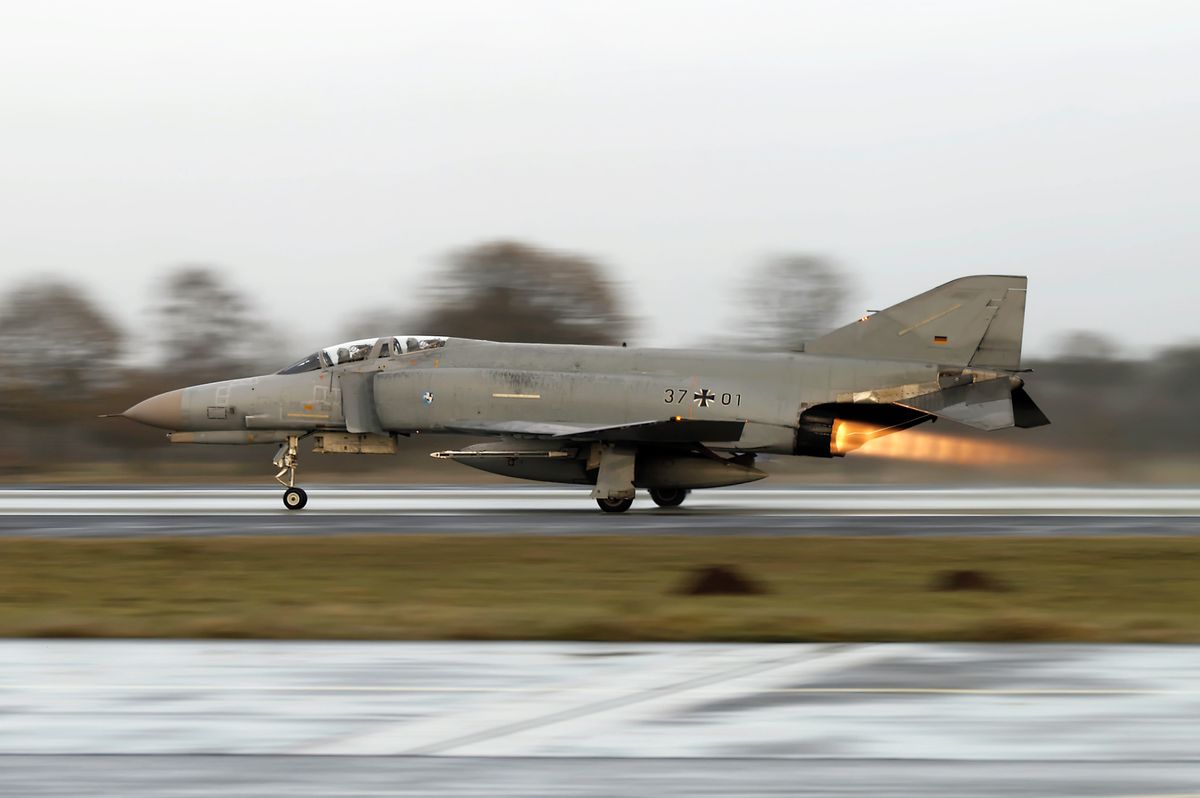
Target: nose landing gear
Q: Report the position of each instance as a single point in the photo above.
(288, 460)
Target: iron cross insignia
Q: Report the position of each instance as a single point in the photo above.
(704, 397)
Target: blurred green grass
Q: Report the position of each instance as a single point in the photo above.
(598, 588)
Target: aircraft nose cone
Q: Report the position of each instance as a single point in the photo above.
(164, 410)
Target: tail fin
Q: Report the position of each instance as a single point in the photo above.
(972, 321)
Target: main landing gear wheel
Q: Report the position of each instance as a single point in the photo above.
(615, 505)
(295, 498)
(668, 497)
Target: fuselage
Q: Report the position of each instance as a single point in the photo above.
(468, 383)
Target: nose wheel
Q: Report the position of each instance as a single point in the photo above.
(295, 498)
(288, 460)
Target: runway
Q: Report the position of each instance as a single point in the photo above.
(470, 719)
(123, 512)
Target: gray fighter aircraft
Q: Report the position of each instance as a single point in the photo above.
(617, 418)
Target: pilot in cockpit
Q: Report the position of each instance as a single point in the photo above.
(357, 351)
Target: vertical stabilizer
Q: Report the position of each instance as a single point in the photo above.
(972, 321)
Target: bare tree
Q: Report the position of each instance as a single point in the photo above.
(52, 336)
(510, 291)
(207, 326)
(1087, 345)
(793, 299)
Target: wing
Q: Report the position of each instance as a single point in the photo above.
(671, 430)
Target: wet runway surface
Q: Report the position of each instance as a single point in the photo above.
(120, 512)
(357, 719)
(313, 777)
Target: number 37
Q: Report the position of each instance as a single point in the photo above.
(677, 396)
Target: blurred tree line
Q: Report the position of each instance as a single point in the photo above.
(63, 360)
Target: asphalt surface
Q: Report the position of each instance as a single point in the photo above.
(183, 718)
(123, 512)
(357, 777)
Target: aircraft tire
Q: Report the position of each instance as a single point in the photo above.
(668, 497)
(295, 498)
(614, 505)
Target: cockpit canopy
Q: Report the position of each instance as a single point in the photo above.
(365, 349)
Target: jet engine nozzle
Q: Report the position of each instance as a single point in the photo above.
(833, 430)
(850, 435)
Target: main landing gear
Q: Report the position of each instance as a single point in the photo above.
(288, 460)
(668, 497)
(663, 497)
(615, 470)
(615, 505)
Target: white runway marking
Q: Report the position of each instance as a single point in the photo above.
(488, 501)
(507, 726)
(704, 702)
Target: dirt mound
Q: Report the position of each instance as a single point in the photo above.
(968, 580)
(720, 580)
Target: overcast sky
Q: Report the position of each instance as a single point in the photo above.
(327, 154)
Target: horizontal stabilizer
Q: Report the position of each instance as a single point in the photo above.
(988, 405)
(672, 430)
(1026, 413)
(984, 405)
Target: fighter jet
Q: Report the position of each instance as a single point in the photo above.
(623, 418)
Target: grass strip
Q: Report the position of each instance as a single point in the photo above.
(599, 588)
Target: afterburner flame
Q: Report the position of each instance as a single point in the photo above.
(850, 435)
(916, 445)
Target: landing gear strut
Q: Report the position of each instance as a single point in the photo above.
(288, 460)
(668, 497)
(614, 476)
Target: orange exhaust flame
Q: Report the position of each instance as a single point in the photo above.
(926, 447)
(851, 435)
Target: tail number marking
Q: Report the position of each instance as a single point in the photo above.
(703, 398)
